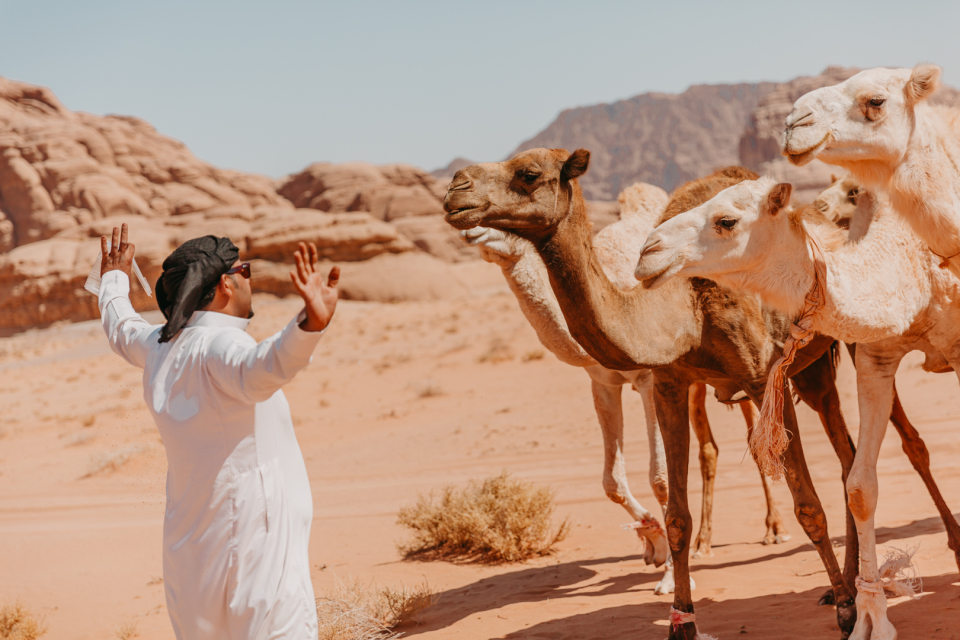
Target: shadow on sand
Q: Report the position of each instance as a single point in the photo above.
(936, 614)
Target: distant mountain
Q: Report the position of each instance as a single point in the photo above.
(659, 138)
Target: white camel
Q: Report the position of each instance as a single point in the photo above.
(884, 291)
(880, 125)
(617, 246)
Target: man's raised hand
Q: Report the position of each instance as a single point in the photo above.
(120, 255)
(319, 299)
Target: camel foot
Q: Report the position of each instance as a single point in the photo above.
(702, 550)
(778, 538)
(846, 618)
(667, 584)
(827, 598)
(655, 547)
(872, 622)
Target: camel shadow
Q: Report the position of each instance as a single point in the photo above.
(911, 529)
(565, 580)
(786, 616)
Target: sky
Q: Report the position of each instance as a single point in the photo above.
(270, 87)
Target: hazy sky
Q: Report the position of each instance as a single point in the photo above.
(273, 86)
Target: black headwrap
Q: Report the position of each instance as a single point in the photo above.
(188, 273)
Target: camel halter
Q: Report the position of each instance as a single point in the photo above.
(678, 618)
(769, 438)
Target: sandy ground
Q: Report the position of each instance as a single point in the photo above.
(406, 398)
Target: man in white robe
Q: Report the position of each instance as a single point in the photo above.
(239, 508)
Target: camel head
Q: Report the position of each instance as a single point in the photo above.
(839, 201)
(865, 120)
(731, 233)
(528, 194)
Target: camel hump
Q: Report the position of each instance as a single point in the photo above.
(696, 192)
(642, 199)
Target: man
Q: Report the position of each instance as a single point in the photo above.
(239, 509)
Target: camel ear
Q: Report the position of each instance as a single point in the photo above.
(778, 198)
(833, 178)
(576, 165)
(922, 83)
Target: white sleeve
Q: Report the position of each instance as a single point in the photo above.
(254, 372)
(129, 335)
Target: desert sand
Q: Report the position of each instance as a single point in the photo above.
(405, 398)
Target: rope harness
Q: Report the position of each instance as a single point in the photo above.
(678, 618)
(769, 438)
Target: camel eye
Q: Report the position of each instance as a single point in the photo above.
(877, 102)
(727, 223)
(529, 178)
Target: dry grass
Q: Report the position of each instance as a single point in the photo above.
(16, 623)
(530, 356)
(430, 390)
(127, 631)
(498, 351)
(355, 612)
(498, 520)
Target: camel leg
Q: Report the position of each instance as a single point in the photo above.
(876, 365)
(672, 399)
(708, 466)
(816, 386)
(919, 457)
(776, 529)
(812, 519)
(608, 403)
(643, 384)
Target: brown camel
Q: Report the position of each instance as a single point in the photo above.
(687, 330)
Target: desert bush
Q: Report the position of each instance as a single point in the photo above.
(355, 612)
(107, 461)
(497, 520)
(127, 631)
(16, 623)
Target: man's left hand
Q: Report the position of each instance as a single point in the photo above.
(320, 300)
(120, 255)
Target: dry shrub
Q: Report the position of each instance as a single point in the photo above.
(498, 520)
(127, 631)
(355, 612)
(16, 623)
(530, 356)
(498, 351)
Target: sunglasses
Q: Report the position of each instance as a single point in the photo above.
(243, 269)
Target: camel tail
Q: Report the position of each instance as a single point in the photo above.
(769, 438)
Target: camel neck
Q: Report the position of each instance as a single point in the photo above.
(925, 187)
(622, 330)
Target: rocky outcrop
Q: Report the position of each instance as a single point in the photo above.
(60, 169)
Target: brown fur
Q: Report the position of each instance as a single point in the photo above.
(696, 192)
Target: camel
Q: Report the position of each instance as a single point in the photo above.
(686, 331)
(880, 126)
(883, 291)
(838, 201)
(618, 245)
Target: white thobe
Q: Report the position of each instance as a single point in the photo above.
(239, 507)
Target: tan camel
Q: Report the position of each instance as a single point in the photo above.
(838, 202)
(884, 291)
(687, 331)
(618, 245)
(880, 126)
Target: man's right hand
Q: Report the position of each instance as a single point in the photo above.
(120, 255)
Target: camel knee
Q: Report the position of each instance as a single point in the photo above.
(813, 522)
(858, 499)
(678, 532)
(616, 497)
